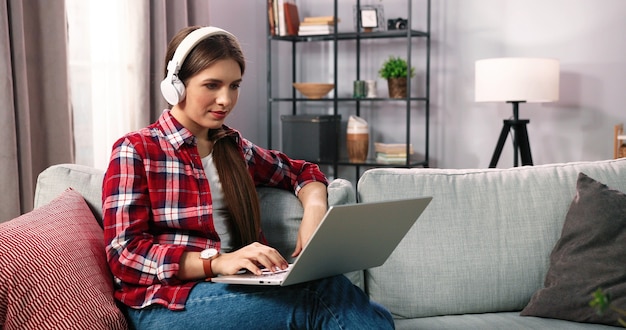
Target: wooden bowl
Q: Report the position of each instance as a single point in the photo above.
(313, 90)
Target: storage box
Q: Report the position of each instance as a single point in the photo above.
(311, 137)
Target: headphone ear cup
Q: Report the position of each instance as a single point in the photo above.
(180, 88)
(173, 89)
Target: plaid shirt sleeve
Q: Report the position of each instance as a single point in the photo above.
(133, 256)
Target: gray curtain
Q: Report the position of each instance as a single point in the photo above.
(166, 18)
(36, 121)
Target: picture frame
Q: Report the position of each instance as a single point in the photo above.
(369, 18)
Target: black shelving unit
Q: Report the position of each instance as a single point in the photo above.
(410, 35)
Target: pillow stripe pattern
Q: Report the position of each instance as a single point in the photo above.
(53, 271)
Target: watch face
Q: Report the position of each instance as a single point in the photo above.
(208, 253)
(369, 18)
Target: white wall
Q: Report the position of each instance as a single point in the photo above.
(247, 20)
(585, 35)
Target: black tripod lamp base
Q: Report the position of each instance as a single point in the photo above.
(521, 146)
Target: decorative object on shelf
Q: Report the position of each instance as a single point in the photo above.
(357, 139)
(395, 70)
(311, 137)
(369, 18)
(516, 80)
(392, 153)
(370, 86)
(359, 89)
(397, 87)
(313, 90)
(397, 24)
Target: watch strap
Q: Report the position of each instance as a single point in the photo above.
(206, 265)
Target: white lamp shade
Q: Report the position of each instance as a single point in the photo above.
(517, 79)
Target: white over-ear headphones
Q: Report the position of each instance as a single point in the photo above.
(172, 88)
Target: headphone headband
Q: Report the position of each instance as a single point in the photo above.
(172, 88)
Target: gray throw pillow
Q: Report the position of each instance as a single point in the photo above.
(590, 254)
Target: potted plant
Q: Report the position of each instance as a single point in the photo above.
(395, 70)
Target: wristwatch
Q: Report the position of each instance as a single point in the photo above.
(207, 256)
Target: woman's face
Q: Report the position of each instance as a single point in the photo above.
(211, 95)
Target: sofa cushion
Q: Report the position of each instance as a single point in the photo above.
(53, 271)
(483, 244)
(590, 254)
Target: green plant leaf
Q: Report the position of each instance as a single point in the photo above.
(395, 67)
(600, 301)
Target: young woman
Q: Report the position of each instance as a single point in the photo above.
(180, 207)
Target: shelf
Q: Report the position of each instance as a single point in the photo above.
(374, 163)
(353, 35)
(414, 39)
(346, 99)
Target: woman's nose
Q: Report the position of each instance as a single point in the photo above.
(224, 96)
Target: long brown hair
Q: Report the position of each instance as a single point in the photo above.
(240, 196)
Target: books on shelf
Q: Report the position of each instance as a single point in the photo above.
(292, 18)
(283, 17)
(390, 159)
(319, 20)
(392, 153)
(270, 17)
(284, 20)
(314, 30)
(392, 148)
(314, 25)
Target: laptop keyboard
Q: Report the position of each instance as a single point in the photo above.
(266, 273)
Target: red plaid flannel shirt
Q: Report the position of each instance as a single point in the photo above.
(157, 204)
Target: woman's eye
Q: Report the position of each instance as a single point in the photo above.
(211, 86)
(235, 86)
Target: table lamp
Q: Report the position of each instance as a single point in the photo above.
(516, 80)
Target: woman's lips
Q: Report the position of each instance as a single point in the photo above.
(218, 114)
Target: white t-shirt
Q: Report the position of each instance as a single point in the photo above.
(219, 208)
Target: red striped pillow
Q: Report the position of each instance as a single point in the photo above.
(53, 271)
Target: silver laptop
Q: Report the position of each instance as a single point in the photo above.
(349, 238)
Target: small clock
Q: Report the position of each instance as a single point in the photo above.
(369, 18)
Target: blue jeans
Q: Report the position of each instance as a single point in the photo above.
(330, 303)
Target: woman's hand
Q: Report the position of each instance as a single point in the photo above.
(252, 257)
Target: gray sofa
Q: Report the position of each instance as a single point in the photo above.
(472, 261)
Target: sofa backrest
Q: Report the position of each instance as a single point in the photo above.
(57, 178)
(281, 211)
(483, 244)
